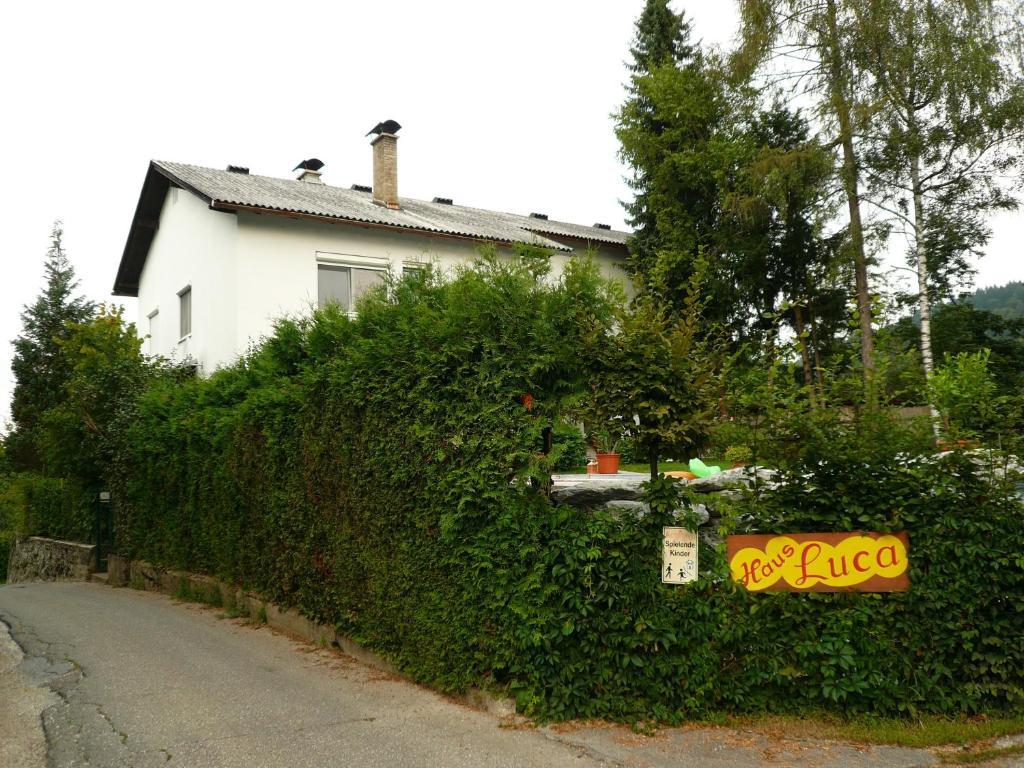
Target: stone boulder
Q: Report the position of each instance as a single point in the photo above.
(732, 478)
(595, 490)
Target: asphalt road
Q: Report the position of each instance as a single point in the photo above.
(116, 677)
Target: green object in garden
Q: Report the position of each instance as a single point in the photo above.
(700, 469)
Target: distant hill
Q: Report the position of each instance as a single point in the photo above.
(1003, 300)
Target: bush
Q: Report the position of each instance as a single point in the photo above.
(383, 475)
(953, 643)
(569, 446)
(32, 505)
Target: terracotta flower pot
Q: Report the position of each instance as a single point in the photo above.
(607, 463)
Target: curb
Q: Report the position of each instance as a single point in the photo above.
(144, 576)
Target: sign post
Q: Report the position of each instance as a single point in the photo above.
(678, 555)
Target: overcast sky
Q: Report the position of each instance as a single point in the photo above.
(503, 106)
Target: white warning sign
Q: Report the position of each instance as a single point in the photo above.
(678, 555)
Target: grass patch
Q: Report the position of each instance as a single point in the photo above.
(983, 755)
(919, 733)
(207, 594)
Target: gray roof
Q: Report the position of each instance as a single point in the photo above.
(233, 191)
(293, 196)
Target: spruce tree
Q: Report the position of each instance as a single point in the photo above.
(673, 131)
(41, 368)
(662, 37)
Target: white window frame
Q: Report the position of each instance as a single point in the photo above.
(349, 261)
(186, 290)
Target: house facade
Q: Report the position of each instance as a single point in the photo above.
(216, 256)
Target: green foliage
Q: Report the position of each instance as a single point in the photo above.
(659, 379)
(31, 504)
(953, 643)
(1007, 301)
(965, 394)
(40, 366)
(354, 468)
(382, 474)
(963, 327)
(106, 371)
(568, 446)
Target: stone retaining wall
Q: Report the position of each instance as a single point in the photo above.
(622, 492)
(39, 559)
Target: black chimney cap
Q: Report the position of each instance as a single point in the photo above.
(309, 165)
(443, 200)
(602, 226)
(388, 126)
(539, 216)
(238, 169)
(361, 188)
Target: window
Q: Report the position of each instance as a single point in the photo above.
(154, 327)
(185, 312)
(343, 285)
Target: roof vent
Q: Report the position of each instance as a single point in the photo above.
(443, 200)
(539, 216)
(361, 188)
(310, 170)
(238, 169)
(602, 226)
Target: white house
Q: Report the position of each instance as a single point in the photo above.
(215, 256)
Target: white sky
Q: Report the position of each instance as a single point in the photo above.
(503, 106)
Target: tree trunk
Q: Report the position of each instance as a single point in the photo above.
(816, 346)
(923, 303)
(653, 458)
(805, 357)
(841, 105)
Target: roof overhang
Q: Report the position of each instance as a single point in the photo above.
(143, 228)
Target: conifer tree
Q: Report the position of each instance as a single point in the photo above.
(662, 37)
(675, 134)
(40, 366)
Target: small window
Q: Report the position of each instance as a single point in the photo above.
(154, 329)
(412, 270)
(185, 312)
(341, 285)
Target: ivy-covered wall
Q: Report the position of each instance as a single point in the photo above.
(384, 475)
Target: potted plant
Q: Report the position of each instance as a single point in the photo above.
(606, 439)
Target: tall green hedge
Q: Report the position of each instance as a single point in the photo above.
(384, 475)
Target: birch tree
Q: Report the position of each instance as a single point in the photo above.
(945, 130)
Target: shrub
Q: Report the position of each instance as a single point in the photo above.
(382, 474)
(32, 505)
(569, 447)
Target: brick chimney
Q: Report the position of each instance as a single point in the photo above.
(385, 163)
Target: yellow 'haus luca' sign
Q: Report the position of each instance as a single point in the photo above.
(820, 562)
